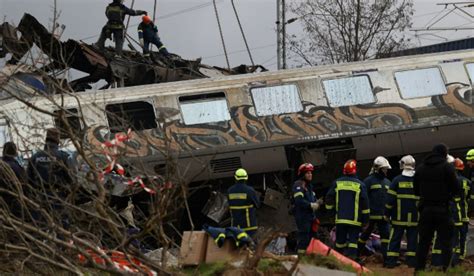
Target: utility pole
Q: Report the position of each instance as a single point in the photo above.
(283, 31)
(278, 23)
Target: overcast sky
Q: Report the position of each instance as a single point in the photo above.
(189, 27)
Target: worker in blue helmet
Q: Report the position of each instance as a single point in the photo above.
(243, 201)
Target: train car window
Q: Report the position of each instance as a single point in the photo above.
(420, 83)
(134, 115)
(204, 108)
(276, 100)
(4, 133)
(349, 91)
(470, 71)
(72, 117)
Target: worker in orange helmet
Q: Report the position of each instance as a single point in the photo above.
(348, 197)
(304, 206)
(148, 33)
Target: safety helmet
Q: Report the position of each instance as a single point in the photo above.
(450, 159)
(470, 155)
(146, 19)
(305, 167)
(407, 162)
(458, 164)
(350, 167)
(381, 162)
(241, 174)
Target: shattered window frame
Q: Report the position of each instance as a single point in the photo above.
(331, 91)
(119, 121)
(74, 119)
(193, 108)
(469, 66)
(268, 101)
(420, 84)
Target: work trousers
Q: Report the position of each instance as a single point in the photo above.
(304, 233)
(346, 239)
(434, 218)
(383, 228)
(462, 240)
(436, 252)
(157, 42)
(396, 235)
(106, 33)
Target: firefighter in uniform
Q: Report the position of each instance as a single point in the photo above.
(401, 209)
(243, 202)
(436, 183)
(148, 33)
(470, 163)
(115, 13)
(305, 204)
(377, 185)
(348, 196)
(467, 196)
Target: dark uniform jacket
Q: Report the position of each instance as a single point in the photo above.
(16, 167)
(348, 196)
(303, 196)
(243, 202)
(402, 202)
(50, 167)
(147, 31)
(436, 182)
(115, 13)
(466, 197)
(377, 185)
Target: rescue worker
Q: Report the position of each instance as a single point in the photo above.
(467, 196)
(348, 196)
(148, 33)
(305, 204)
(455, 207)
(243, 202)
(377, 185)
(436, 184)
(401, 209)
(470, 163)
(10, 153)
(115, 13)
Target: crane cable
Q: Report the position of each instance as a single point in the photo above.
(222, 36)
(242, 31)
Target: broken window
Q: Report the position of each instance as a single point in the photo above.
(276, 100)
(470, 71)
(4, 132)
(72, 117)
(349, 91)
(420, 83)
(204, 108)
(134, 115)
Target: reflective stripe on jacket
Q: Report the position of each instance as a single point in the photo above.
(466, 187)
(402, 202)
(243, 202)
(377, 186)
(348, 196)
(303, 196)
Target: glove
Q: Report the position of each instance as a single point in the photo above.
(314, 206)
(143, 12)
(142, 42)
(386, 218)
(320, 201)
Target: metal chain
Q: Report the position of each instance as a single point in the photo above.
(222, 36)
(242, 31)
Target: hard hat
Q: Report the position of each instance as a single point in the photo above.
(381, 162)
(350, 167)
(470, 155)
(458, 164)
(146, 19)
(241, 174)
(407, 162)
(305, 167)
(450, 159)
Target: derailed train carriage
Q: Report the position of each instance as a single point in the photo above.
(268, 123)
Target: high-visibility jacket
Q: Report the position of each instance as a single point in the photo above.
(243, 202)
(467, 196)
(303, 196)
(115, 13)
(348, 196)
(377, 186)
(402, 202)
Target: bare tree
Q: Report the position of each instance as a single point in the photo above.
(350, 30)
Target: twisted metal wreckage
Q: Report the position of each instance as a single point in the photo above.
(129, 70)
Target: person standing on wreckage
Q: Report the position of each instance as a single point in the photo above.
(115, 13)
(148, 33)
